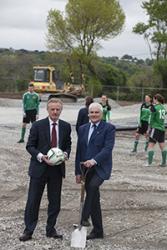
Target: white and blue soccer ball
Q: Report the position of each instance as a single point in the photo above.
(55, 156)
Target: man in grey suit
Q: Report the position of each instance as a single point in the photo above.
(41, 173)
(94, 149)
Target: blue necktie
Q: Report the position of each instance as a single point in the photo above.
(94, 131)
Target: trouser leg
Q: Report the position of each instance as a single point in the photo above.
(92, 201)
(36, 188)
(54, 186)
(96, 214)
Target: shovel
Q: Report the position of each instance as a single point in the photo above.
(78, 237)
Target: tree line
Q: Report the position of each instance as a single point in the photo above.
(73, 40)
(16, 69)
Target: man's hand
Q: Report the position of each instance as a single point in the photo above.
(89, 163)
(45, 159)
(65, 156)
(78, 179)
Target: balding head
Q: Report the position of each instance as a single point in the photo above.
(95, 112)
(96, 105)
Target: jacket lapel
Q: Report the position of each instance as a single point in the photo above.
(60, 134)
(86, 133)
(97, 132)
(47, 131)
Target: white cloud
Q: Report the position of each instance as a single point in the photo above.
(128, 42)
(23, 25)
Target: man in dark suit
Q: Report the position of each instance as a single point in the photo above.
(42, 137)
(83, 117)
(94, 151)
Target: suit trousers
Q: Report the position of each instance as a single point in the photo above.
(92, 206)
(53, 179)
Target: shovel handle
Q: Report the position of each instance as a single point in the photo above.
(84, 171)
(82, 191)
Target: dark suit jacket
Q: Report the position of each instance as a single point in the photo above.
(99, 148)
(82, 118)
(39, 141)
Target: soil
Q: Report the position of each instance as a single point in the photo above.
(133, 200)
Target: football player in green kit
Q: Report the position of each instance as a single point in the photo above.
(157, 132)
(143, 123)
(31, 102)
(106, 108)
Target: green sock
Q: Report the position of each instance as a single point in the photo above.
(23, 131)
(150, 156)
(146, 146)
(136, 142)
(164, 153)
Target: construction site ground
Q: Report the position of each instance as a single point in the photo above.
(134, 200)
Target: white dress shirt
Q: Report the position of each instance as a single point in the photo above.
(57, 130)
(91, 129)
(39, 156)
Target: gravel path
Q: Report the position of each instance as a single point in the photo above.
(133, 200)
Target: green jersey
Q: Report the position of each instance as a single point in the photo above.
(158, 117)
(145, 112)
(31, 101)
(106, 112)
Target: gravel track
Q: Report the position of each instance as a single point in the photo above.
(133, 201)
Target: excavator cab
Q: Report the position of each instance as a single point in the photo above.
(45, 80)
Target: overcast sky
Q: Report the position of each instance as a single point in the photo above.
(23, 26)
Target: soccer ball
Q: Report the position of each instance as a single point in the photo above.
(55, 156)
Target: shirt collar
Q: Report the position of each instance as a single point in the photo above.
(97, 124)
(51, 122)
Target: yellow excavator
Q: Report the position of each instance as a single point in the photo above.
(46, 81)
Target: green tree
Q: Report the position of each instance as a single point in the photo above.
(160, 67)
(83, 26)
(143, 77)
(155, 32)
(143, 29)
(110, 75)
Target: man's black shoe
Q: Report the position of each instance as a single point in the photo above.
(93, 235)
(85, 223)
(25, 237)
(54, 235)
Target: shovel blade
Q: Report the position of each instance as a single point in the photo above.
(78, 238)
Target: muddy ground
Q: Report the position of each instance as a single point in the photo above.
(134, 200)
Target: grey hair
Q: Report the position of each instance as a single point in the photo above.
(96, 105)
(55, 100)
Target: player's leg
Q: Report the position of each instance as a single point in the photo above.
(146, 135)
(150, 153)
(162, 147)
(23, 131)
(136, 142)
(146, 144)
(33, 115)
(26, 119)
(151, 144)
